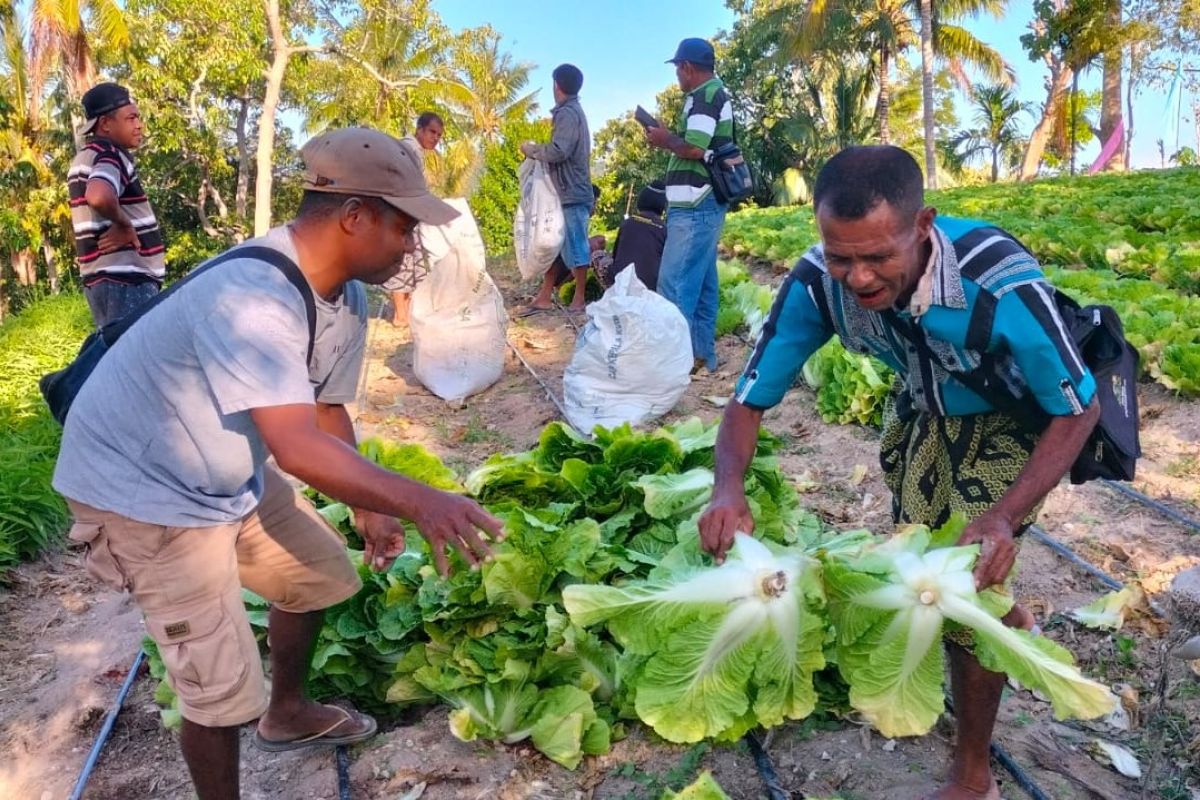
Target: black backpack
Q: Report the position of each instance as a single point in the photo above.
(1113, 448)
(60, 388)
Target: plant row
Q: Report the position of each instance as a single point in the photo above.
(1142, 225)
(42, 338)
(600, 609)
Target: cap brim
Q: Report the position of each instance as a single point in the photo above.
(89, 126)
(425, 208)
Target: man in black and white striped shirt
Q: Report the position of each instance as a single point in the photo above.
(118, 244)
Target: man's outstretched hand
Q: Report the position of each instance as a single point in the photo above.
(727, 514)
(451, 519)
(383, 538)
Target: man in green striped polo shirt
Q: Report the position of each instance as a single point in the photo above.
(688, 275)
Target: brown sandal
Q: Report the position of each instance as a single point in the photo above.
(323, 738)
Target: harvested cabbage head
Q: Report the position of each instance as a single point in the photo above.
(721, 649)
(888, 605)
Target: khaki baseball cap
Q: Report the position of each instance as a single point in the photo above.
(370, 163)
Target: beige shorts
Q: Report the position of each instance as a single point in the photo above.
(188, 583)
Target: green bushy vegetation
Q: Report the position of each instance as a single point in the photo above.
(41, 339)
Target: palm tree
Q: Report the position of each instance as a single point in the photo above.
(379, 26)
(487, 96)
(885, 28)
(880, 27)
(927, 92)
(997, 110)
(838, 113)
(941, 37)
(493, 92)
(456, 169)
(60, 38)
(24, 157)
(398, 48)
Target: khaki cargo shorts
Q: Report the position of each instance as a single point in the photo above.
(188, 583)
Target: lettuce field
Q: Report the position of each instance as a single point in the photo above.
(600, 653)
(1129, 241)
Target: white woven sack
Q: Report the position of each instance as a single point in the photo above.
(632, 361)
(458, 320)
(538, 224)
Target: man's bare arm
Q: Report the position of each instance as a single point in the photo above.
(728, 512)
(664, 139)
(1051, 459)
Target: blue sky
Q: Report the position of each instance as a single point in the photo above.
(621, 45)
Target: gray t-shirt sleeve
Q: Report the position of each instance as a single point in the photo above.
(341, 386)
(252, 344)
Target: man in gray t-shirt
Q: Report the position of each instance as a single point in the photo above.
(164, 459)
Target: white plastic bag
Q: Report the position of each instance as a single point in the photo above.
(538, 225)
(632, 361)
(458, 321)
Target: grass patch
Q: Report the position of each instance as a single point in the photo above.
(42, 338)
(1185, 467)
(652, 784)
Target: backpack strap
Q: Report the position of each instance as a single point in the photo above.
(115, 329)
(983, 381)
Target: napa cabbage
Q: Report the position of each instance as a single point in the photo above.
(723, 649)
(890, 603)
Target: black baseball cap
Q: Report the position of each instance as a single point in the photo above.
(697, 51)
(101, 99)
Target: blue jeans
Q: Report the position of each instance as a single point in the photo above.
(110, 299)
(688, 275)
(576, 252)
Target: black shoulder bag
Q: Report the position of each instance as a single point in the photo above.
(1113, 447)
(60, 388)
(729, 173)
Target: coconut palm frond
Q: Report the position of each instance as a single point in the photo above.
(955, 42)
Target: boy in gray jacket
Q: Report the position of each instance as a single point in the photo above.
(568, 156)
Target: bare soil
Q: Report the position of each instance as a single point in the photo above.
(67, 645)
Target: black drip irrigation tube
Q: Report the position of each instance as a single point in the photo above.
(1157, 505)
(1061, 549)
(341, 753)
(106, 728)
(341, 757)
(1020, 776)
(776, 791)
(766, 769)
(1040, 535)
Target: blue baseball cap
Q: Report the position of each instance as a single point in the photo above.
(697, 51)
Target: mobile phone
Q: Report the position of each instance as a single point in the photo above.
(645, 118)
